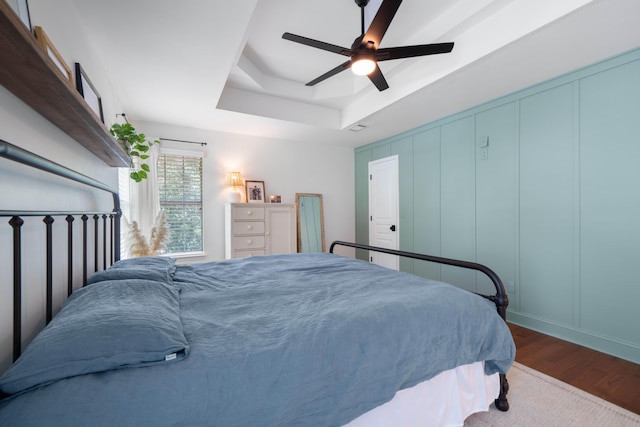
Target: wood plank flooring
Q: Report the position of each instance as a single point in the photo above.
(608, 377)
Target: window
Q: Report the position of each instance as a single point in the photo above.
(180, 188)
(123, 191)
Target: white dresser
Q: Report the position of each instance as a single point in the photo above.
(259, 229)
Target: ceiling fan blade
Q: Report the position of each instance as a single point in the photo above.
(386, 54)
(378, 79)
(317, 44)
(344, 66)
(380, 23)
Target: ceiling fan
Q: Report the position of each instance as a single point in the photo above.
(365, 53)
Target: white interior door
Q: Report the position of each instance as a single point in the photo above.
(383, 210)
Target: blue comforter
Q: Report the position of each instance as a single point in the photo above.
(283, 340)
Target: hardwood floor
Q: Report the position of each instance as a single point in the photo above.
(612, 379)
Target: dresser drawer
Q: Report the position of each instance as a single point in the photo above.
(248, 227)
(248, 212)
(249, 242)
(248, 253)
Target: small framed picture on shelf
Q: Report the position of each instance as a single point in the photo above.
(275, 198)
(89, 92)
(255, 191)
(21, 8)
(52, 53)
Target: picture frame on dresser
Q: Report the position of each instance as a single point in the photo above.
(45, 43)
(255, 191)
(89, 92)
(275, 198)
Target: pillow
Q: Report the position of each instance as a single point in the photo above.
(122, 325)
(134, 273)
(158, 263)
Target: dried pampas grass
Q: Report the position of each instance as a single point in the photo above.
(138, 245)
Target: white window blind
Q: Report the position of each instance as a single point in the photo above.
(180, 188)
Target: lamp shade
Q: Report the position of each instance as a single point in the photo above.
(234, 179)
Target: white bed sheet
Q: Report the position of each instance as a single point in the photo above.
(445, 400)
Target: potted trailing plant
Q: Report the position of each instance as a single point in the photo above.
(137, 146)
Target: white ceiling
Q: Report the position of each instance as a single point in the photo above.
(223, 65)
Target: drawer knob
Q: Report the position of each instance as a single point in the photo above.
(249, 241)
(249, 227)
(249, 213)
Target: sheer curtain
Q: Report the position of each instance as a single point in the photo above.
(144, 201)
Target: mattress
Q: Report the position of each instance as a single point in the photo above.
(445, 400)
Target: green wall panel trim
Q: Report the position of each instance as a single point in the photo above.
(610, 202)
(380, 152)
(404, 150)
(624, 350)
(496, 182)
(426, 200)
(547, 202)
(580, 73)
(362, 160)
(457, 199)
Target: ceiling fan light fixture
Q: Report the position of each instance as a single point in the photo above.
(363, 66)
(364, 53)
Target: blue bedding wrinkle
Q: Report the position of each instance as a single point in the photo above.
(287, 340)
(122, 324)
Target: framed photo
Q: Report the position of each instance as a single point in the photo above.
(21, 7)
(53, 53)
(89, 92)
(255, 191)
(275, 198)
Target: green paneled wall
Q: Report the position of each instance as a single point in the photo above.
(543, 187)
(362, 160)
(547, 188)
(426, 200)
(496, 193)
(610, 202)
(457, 199)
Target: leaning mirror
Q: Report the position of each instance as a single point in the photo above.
(310, 222)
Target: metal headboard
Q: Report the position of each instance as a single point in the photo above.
(17, 154)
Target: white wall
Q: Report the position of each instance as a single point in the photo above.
(286, 167)
(26, 189)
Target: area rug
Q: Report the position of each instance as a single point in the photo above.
(536, 399)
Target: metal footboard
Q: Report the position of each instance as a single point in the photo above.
(500, 299)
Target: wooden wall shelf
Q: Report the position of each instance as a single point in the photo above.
(32, 76)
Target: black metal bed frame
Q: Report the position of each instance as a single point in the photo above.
(500, 299)
(17, 154)
(11, 152)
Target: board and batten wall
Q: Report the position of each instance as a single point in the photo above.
(552, 203)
